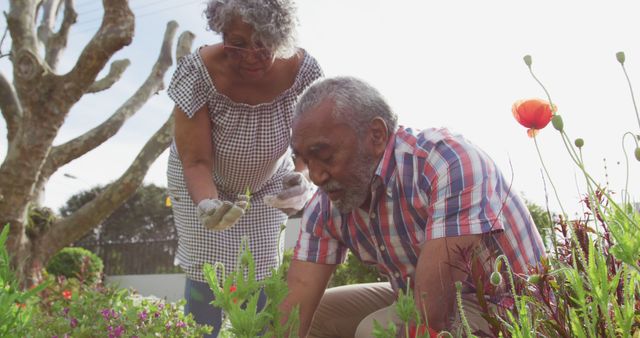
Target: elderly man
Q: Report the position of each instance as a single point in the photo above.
(405, 200)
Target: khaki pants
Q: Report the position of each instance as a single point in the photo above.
(350, 311)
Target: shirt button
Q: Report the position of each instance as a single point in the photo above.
(382, 248)
(396, 274)
(372, 215)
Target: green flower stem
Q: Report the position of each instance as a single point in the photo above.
(543, 88)
(555, 192)
(635, 107)
(572, 152)
(463, 316)
(590, 179)
(625, 198)
(504, 259)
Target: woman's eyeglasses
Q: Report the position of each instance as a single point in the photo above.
(262, 54)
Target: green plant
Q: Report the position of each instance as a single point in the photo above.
(15, 304)
(590, 287)
(353, 271)
(237, 295)
(75, 262)
(71, 308)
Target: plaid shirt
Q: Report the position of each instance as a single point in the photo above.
(429, 184)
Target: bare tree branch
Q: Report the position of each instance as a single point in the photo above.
(115, 72)
(184, 44)
(55, 43)
(64, 153)
(50, 10)
(10, 106)
(115, 32)
(21, 23)
(91, 214)
(4, 36)
(76, 225)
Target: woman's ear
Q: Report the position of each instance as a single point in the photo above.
(379, 135)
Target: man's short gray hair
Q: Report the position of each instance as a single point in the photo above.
(355, 102)
(274, 21)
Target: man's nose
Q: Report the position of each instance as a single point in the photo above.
(317, 173)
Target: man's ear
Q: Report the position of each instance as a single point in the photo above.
(379, 135)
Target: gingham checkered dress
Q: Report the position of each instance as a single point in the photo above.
(250, 150)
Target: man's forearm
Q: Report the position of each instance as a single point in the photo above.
(306, 282)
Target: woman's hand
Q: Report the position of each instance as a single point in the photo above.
(219, 215)
(296, 191)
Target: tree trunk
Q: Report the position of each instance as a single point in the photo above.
(35, 106)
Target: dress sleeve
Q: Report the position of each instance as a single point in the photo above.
(189, 88)
(309, 73)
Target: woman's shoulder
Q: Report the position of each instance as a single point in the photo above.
(308, 71)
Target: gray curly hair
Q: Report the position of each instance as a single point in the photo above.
(274, 21)
(355, 102)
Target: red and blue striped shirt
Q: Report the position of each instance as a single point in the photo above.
(429, 184)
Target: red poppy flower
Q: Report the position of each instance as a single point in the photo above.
(66, 294)
(534, 114)
(233, 289)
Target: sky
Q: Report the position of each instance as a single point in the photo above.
(455, 64)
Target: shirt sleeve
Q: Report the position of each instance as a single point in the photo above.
(464, 190)
(189, 87)
(318, 241)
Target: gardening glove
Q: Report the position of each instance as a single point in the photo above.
(296, 191)
(219, 215)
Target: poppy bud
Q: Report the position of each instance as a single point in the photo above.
(496, 278)
(579, 142)
(620, 57)
(638, 153)
(533, 279)
(557, 123)
(527, 60)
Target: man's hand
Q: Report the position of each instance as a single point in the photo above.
(219, 215)
(296, 191)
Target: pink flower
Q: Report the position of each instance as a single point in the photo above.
(66, 294)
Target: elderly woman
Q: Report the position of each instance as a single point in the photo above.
(233, 109)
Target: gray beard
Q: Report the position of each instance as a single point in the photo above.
(357, 191)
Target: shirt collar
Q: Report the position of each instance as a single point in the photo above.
(388, 162)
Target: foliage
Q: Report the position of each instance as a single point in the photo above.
(237, 295)
(583, 291)
(73, 262)
(144, 216)
(541, 219)
(73, 309)
(590, 285)
(15, 309)
(39, 220)
(143, 226)
(354, 271)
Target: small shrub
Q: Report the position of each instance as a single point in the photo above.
(75, 262)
